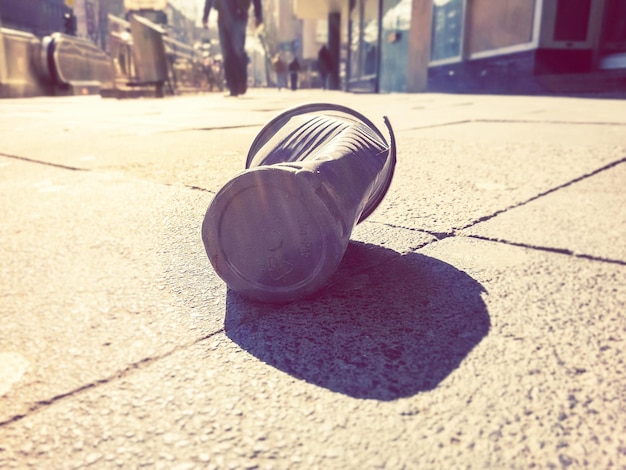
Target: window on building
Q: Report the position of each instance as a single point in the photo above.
(363, 45)
(447, 30)
(572, 19)
(615, 24)
(495, 25)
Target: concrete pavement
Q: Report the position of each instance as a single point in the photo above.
(477, 321)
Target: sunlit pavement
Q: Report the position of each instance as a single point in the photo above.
(477, 321)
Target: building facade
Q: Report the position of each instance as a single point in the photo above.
(44, 17)
(508, 46)
(528, 45)
(39, 17)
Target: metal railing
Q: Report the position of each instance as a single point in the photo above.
(144, 56)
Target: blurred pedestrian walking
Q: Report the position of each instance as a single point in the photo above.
(294, 70)
(280, 68)
(324, 65)
(232, 21)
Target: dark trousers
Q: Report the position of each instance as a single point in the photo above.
(294, 80)
(232, 31)
(324, 77)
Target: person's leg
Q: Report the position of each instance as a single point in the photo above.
(228, 54)
(238, 40)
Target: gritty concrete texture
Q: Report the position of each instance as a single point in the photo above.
(476, 321)
(88, 273)
(587, 221)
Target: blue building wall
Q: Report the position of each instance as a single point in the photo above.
(394, 60)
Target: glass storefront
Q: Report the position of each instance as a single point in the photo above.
(395, 44)
(378, 40)
(447, 29)
(615, 25)
(496, 26)
(613, 45)
(363, 45)
(500, 36)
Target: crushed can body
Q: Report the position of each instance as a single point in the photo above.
(278, 231)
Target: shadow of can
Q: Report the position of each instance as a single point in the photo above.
(389, 326)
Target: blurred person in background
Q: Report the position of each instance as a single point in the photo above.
(232, 21)
(324, 65)
(280, 68)
(294, 70)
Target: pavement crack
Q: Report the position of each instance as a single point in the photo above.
(442, 235)
(214, 128)
(438, 236)
(192, 187)
(198, 188)
(569, 370)
(41, 405)
(75, 168)
(606, 167)
(41, 162)
(547, 121)
(223, 128)
(516, 121)
(442, 124)
(559, 251)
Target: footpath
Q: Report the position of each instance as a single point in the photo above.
(478, 319)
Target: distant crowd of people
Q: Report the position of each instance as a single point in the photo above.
(232, 21)
(292, 70)
(282, 70)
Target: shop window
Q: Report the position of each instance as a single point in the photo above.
(497, 25)
(615, 24)
(613, 47)
(572, 20)
(447, 29)
(363, 46)
(396, 23)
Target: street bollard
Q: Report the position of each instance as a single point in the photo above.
(278, 231)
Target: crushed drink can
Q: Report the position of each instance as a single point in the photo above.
(277, 231)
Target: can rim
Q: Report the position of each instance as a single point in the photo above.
(376, 198)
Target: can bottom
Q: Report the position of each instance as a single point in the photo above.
(270, 235)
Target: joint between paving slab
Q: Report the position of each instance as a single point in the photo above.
(442, 124)
(145, 362)
(198, 188)
(558, 251)
(442, 235)
(548, 121)
(225, 128)
(606, 167)
(193, 187)
(515, 121)
(214, 128)
(41, 162)
(74, 168)
(438, 236)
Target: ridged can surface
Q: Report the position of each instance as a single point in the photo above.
(278, 231)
